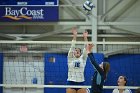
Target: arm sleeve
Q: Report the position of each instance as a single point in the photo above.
(84, 51)
(84, 54)
(70, 53)
(94, 63)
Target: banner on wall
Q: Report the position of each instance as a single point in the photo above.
(29, 11)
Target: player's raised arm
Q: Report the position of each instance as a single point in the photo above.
(74, 32)
(85, 36)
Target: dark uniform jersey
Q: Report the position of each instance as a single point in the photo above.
(98, 77)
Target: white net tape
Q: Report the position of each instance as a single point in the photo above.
(63, 86)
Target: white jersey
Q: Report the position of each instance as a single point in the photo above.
(76, 66)
(125, 91)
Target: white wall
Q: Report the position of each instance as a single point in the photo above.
(21, 69)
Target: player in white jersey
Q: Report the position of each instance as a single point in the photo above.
(76, 65)
(122, 81)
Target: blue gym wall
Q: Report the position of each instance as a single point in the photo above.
(60, 70)
(1, 71)
(124, 64)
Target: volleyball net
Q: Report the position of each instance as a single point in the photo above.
(43, 64)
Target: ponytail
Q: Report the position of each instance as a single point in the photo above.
(106, 67)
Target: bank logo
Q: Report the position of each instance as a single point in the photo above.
(23, 13)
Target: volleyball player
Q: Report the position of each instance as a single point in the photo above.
(100, 73)
(76, 65)
(122, 81)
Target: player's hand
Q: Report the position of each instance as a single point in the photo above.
(85, 34)
(74, 31)
(89, 48)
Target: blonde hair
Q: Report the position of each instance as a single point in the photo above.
(106, 67)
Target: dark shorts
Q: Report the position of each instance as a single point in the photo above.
(75, 83)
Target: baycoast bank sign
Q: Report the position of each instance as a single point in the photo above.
(28, 13)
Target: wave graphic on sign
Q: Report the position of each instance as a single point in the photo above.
(25, 17)
(11, 17)
(18, 18)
